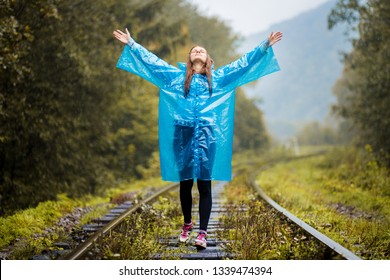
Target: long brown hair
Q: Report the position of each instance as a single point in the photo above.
(190, 72)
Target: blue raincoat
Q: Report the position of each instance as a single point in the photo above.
(196, 132)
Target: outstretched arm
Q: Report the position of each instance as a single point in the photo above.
(251, 66)
(138, 60)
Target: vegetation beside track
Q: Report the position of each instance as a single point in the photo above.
(262, 232)
(345, 194)
(138, 237)
(28, 232)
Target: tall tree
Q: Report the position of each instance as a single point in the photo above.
(366, 100)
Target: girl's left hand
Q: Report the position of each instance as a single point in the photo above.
(275, 37)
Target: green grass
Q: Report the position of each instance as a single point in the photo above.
(262, 232)
(138, 237)
(344, 194)
(26, 230)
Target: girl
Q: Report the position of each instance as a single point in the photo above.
(196, 116)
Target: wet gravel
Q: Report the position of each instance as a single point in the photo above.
(351, 211)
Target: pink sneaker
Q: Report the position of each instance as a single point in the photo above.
(201, 241)
(185, 232)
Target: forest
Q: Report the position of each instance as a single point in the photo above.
(74, 124)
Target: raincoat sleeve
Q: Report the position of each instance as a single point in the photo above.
(259, 62)
(138, 60)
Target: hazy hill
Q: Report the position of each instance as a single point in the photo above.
(309, 56)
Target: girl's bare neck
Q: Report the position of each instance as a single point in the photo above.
(198, 67)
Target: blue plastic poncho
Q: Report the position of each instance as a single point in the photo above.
(196, 132)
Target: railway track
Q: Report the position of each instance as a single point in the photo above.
(112, 219)
(117, 215)
(217, 245)
(333, 245)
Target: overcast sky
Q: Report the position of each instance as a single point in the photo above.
(247, 17)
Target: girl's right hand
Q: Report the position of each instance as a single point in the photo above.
(121, 36)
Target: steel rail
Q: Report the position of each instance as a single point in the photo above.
(312, 231)
(82, 249)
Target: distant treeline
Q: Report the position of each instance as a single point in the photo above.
(70, 121)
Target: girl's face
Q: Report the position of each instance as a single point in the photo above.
(198, 54)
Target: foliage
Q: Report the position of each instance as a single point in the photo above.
(344, 194)
(133, 239)
(363, 90)
(52, 117)
(33, 221)
(345, 11)
(138, 238)
(250, 131)
(209, 33)
(361, 167)
(70, 122)
(316, 134)
(275, 238)
(37, 228)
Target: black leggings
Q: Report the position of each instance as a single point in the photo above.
(205, 201)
